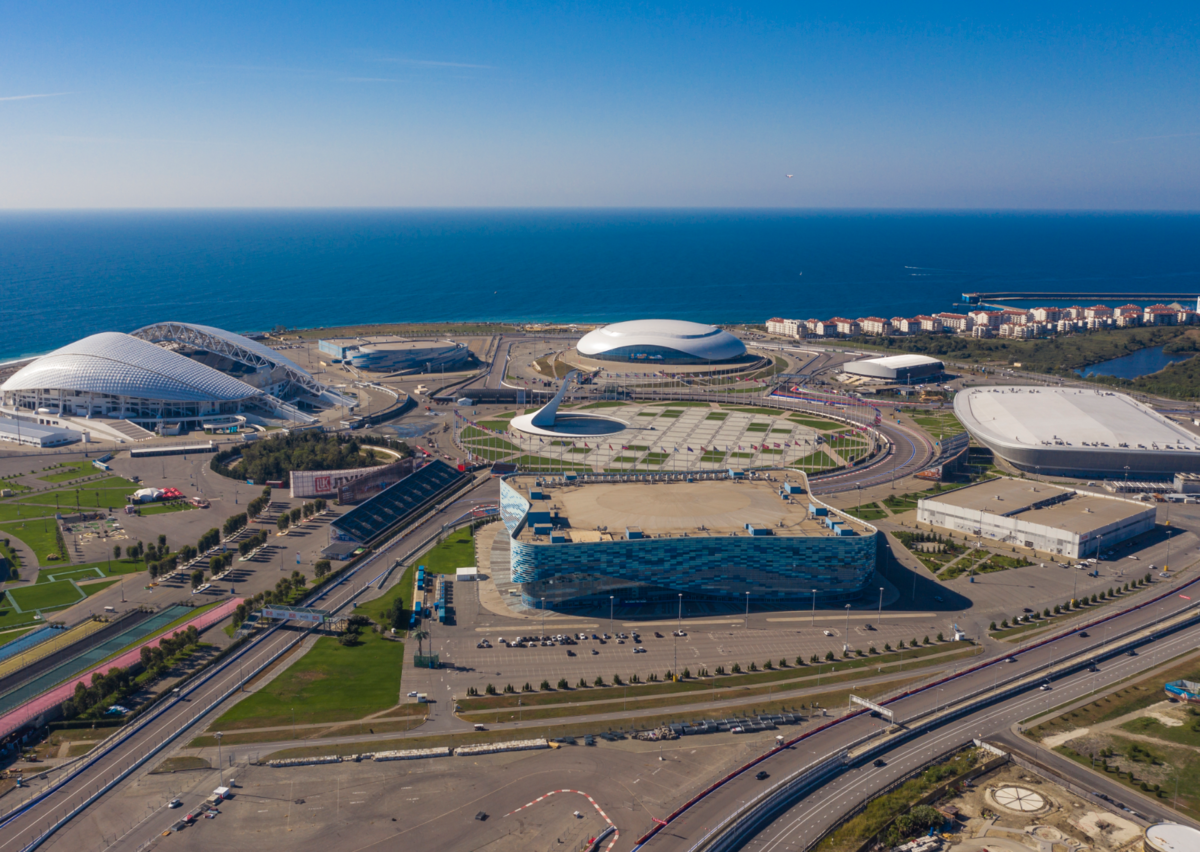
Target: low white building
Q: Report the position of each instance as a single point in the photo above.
(36, 435)
(1043, 517)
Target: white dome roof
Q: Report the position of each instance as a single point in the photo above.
(121, 365)
(691, 339)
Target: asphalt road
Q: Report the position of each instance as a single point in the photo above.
(24, 828)
(815, 813)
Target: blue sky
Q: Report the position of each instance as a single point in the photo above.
(296, 104)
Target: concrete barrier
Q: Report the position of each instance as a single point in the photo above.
(493, 748)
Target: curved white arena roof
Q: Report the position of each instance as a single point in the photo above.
(697, 340)
(162, 331)
(891, 366)
(121, 365)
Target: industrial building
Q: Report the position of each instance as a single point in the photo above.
(1081, 433)
(167, 373)
(661, 342)
(897, 369)
(727, 539)
(35, 435)
(1037, 515)
(397, 355)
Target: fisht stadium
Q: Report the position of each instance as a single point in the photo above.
(166, 373)
(661, 342)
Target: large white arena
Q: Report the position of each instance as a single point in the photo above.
(661, 342)
(897, 368)
(178, 373)
(1078, 433)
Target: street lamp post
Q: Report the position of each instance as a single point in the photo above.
(220, 765)
(814, 608)
(679, 616)
(610, 614)
(543, 617)
(746, 623)
(879, 619)
(847, 625)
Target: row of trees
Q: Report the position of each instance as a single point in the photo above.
(292, 518)
(276, 457)
(156, 660)
(1097, 598)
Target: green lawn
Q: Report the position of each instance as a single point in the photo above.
(869, 512)
(457, 551)
(717, 415)
(819, 425)
(330, 683)
(759, 427)
(99, 586)
(16, 511)
(671, 413)
(38, 536)
(91, 495)
(814, 461)
(656, 458)
(757, 410)
(378, 608)
(47, 595)
(714, 456)
(71, 470)
(741, 455)
(90, 571)
(163, 508)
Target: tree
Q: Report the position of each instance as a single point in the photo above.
(294, 515)
(215, 562)
(197, 577)
(153, 569)
(299, 580)
(829, 656)
(420, 636)
(116, 551)
(282, 523)
(162, 540)
(322, 568)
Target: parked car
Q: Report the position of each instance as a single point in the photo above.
(762, 775)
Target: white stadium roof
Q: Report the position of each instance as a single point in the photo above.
(697, 340)
(897, 362)
(1039, 417)
(121, 365)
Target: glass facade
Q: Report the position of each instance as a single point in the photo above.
(703, 567)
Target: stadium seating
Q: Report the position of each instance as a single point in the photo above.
(403, 501)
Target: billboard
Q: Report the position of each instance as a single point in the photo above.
(870, 705)
(325, 483)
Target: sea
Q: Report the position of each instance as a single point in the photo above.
(64, 275)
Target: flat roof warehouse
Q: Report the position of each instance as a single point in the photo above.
(1039, 516)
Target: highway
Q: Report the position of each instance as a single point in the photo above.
(24, 824)
(818, 811)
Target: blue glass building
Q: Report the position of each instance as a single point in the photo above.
(818, 548)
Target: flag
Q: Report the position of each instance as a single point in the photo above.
(777, 446)
(690, 450)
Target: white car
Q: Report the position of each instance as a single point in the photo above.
(413, 694)
(828, 632)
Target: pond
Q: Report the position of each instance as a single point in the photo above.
(1140, 363)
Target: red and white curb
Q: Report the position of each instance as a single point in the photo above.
(599, 810)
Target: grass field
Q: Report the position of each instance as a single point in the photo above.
(815, 423)
(71, 470)
(164, 508)
(90, 495)
(91, 571)
(16, 511)
(869, 512)
(378, 608)
(1168, 767)
(38, 536)
(47, 595)
(457, 551)
(814, 461)
(330, 683)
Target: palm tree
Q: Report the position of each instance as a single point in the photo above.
(420, 636)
